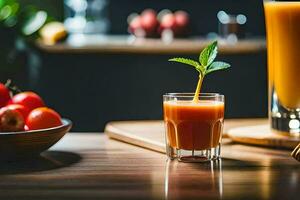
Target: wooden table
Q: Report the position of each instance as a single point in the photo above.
(91, 166)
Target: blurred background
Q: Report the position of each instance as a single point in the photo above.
(96, 61)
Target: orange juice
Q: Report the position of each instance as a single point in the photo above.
(194, 126)
(283, 41)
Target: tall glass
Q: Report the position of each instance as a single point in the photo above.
(283, 43)
(193, 129)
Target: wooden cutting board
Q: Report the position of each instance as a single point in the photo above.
(150, 134)
(262, 135)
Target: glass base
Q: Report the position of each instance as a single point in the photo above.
(286, 124)
(283, 120)
(194, 155)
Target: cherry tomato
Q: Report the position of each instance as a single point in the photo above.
(22, 109)
(41, 118)
(4, 95)
(28, 99)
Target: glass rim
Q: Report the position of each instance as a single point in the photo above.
(275, 1)
(207, 95)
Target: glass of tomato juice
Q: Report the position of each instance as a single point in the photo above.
(193, 129)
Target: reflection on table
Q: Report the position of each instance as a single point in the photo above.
(203, 179)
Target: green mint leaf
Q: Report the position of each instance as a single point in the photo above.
(187, 62)
(208, 54)
(215, 66)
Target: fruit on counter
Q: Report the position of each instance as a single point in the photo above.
(149, 22)
(182, 21)
(143, 25)
(53, 32)
(167, 22)
(11, 120)
(4, 95)
(28, 99)
(22, 109)
(41, 118)
(135, 26)
(178, 22)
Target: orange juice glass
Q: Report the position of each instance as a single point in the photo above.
(193, 129)
(283, 42)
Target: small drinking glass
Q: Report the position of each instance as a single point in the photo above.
(193, 129)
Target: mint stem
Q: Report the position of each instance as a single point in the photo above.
(198, 89)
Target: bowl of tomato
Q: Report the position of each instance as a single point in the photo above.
(27, 126)
(26, 144)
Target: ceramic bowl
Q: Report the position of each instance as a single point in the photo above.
(31, 143)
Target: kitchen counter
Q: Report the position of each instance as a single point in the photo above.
(91, 166)
(124, 44)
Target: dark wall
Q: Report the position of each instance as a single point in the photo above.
(12, 62)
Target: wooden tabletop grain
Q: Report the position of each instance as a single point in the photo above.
(91, 166)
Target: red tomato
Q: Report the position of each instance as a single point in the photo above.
(41, 118)
(4, 95)
(28, 99)
(11, 120)
(22, 109)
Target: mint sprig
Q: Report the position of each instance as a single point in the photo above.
(204, 65)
